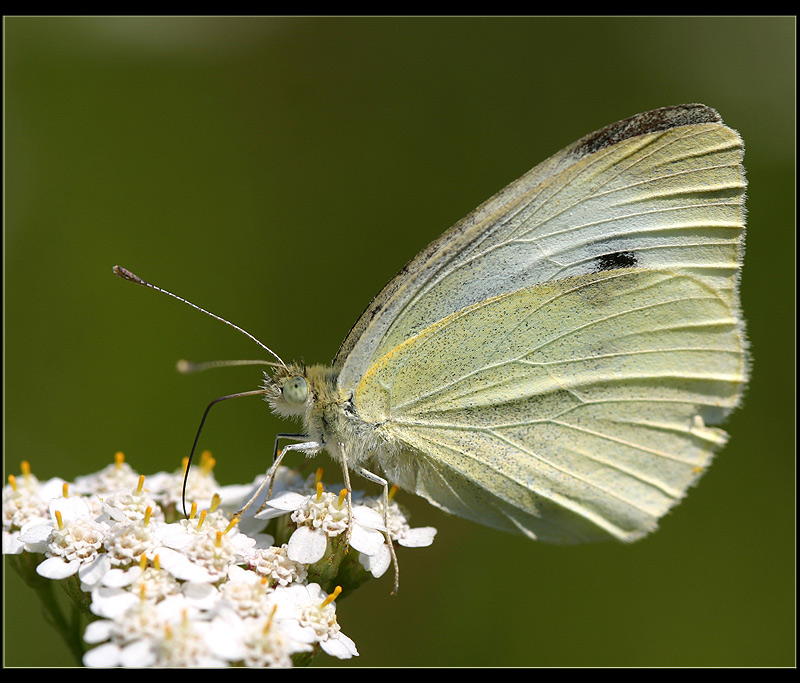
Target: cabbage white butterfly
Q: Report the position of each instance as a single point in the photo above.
(553, 363)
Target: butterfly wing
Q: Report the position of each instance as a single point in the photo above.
(551, 363)
(663, 189)
(570, 411)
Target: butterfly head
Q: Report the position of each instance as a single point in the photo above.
(287, 390)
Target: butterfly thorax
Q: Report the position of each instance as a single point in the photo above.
(329, 417)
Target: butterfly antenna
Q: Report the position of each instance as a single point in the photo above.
(132, 277)
(187, 367)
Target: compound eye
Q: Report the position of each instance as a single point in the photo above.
(295, 391)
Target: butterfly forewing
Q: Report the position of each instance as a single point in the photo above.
(670, 199)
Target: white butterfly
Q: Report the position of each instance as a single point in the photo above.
(552, 364)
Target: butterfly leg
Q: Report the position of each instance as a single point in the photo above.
(370, 476)
(308, 447)
(349, 489)
(276, 453)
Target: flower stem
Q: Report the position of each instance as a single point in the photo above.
(25, 566)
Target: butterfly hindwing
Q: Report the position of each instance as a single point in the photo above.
(574, 410)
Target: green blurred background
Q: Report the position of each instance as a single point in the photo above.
(278, 172)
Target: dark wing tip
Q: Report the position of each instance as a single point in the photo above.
(647, 122)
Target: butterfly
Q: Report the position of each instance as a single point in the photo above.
(556, 363)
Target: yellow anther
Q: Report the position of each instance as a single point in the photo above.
(318, 477)
(218, 540)
(142, 590)
(201, 519)
(215, 502)
(392, 491)
(143, 561)
(147, 514)
(13, 481)
(271, 617)
(319, 491)
(119, 458)
(327, 601)
(140, 487)
(207, 462)
(184, 464)
(193, 511)
(342, 496)
(65, 489)
(59, 521)
(232, 524)
(157, 562)
(25, 468)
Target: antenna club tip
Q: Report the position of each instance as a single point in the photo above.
(125, 274)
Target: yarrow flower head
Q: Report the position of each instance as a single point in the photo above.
(26, 504)
(127, 541)
(215, 589)
(268, 645)
(274, 564)
(118, 476)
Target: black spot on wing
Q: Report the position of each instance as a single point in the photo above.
(615, 261)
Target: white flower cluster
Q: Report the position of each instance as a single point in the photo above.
(202, 591)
